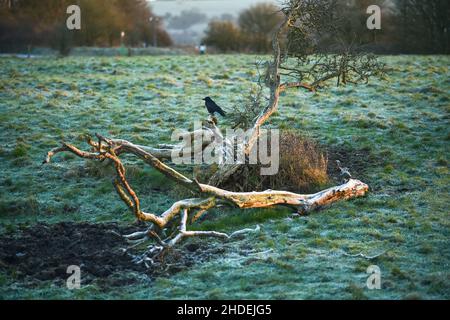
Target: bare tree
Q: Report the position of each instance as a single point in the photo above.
(300, 60)
(299, 16)
(224, 35)
(43, 23)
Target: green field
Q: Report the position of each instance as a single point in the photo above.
(394, 133)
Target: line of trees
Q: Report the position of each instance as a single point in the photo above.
(408, 26)
(28, 23)
(251, 33)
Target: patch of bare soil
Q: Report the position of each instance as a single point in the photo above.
(44, 251)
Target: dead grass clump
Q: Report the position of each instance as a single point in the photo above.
(303, 165)
(303, 168)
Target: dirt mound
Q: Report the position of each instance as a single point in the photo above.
(45, 251)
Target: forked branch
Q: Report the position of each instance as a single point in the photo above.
(208, 196)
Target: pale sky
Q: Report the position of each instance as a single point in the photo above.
(209, 7)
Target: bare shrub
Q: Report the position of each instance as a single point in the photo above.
(303, 165)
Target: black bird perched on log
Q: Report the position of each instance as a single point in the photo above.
(212, 107)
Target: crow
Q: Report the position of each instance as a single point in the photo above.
(213, 107)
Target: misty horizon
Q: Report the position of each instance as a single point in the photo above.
(212, 9)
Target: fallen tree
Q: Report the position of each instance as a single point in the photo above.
(345, 66)
(208, 196)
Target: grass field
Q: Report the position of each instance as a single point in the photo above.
(394, 132)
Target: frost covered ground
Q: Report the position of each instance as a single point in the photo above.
(394, 134)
